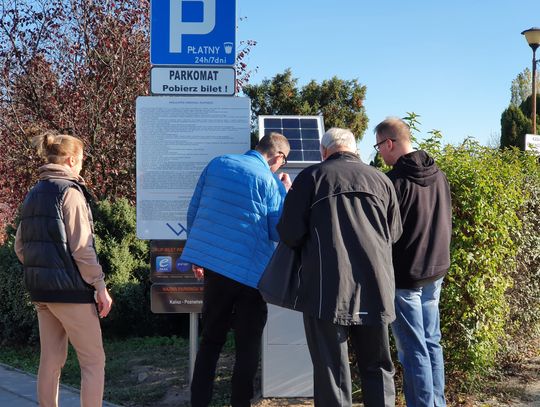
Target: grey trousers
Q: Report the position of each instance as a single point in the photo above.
(328, 348)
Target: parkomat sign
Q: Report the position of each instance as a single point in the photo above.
(193, 80)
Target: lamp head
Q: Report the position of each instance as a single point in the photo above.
(532, 35)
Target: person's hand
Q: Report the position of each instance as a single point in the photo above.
(104, 302)
(198, 271)
(286, 180)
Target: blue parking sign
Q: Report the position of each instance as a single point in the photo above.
(193, 32)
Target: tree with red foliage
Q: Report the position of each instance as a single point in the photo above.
(76, 67)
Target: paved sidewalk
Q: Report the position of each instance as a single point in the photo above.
(18, 389)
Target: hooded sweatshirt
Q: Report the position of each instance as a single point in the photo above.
(422, 254)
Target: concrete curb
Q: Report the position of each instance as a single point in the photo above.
(18, 389)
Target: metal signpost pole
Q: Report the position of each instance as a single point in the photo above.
(193, 342)
(532, 35)
(194, 45)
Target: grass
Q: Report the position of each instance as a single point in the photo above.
(139, 371)
(153, 371)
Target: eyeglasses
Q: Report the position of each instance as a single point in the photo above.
(284, 158)
(377, 146)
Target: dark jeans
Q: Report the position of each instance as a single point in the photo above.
(328, 348)
(228, 304)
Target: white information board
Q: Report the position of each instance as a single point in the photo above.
(176, 138)
(532, 142)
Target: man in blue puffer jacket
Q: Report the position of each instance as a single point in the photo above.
(231, 224)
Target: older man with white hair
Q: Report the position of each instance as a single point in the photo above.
(343, 216)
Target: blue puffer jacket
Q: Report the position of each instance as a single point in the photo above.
(232, 217)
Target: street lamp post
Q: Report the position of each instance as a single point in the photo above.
(532, 35)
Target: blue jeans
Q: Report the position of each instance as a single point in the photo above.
(417, 333)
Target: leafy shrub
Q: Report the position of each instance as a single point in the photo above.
(524, 297)
(495, 254)
(485, 203)
(490, 303)
(125, 260)
(18, 322)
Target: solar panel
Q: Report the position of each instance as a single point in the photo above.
(303, 132)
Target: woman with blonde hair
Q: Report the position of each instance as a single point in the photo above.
(55, 243)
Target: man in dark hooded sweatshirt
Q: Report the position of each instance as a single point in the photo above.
(421, 258)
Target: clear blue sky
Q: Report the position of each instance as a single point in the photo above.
(452, 62)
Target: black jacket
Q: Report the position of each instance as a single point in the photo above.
(50, 273)
(422, 254)
(344, 216)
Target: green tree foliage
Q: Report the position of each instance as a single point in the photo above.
(490, 304)
(339, 101)
(379, 163)
(514, 126)
(516, 122)
(125, 259)
(526, 107)
(516, 119)
(521, 87)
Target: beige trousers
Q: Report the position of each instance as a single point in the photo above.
(79, 323)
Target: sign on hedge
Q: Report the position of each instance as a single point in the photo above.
(532, 143)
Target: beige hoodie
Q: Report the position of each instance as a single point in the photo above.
(78, 231)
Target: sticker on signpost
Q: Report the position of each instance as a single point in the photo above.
(166, 264)
(176, 298)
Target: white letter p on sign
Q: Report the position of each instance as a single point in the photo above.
(179, 28)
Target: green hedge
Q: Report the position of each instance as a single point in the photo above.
(18, 322)
(126, 262)
(490, 300)
(523, 322)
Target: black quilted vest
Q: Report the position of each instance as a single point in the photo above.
(50, 273)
